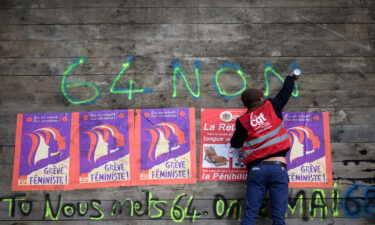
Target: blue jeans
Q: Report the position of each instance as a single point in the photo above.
(263, 177)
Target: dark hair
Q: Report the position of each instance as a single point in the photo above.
(251, 96)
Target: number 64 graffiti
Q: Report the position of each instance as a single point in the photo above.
(177, 72)
(65, 85)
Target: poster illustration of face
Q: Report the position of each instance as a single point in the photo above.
(309, 158)
(43, 149)
(104, 158)
(167, 145)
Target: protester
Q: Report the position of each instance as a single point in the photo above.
(264, 141)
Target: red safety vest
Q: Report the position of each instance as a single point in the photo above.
(266, 133)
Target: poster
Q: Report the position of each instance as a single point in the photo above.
(166, 145)
(106, 140)
(308, 161)
(220, 162)
(43, 151)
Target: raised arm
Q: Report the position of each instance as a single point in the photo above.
(284, 94)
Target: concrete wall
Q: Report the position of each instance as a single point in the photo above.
(333, 41)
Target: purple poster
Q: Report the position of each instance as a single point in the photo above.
(104, 148)
(42, 151)
(309, 158)
(167, 145)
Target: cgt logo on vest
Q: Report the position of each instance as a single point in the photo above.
(257, 120)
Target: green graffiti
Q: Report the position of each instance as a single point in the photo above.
(82, 212)
(335, 199)
(318, 202)
(220, 207)
(95, 204)
(152, 202)
(181, 208)
(69, 210)
(192, 215)
(228, 67)
(299, 199)
(12, 204)
(26, 210)
(177, 212)
(130, 90)
(223, 207)
(268, 70)
(137, 209)
(65, 85)
(48, 209)
(120, 203)
(177, 71)
(234, 210)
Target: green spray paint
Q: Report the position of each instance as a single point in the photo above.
(177, 212)
(130, 90)
(178, 71)
(48, 209)
(234, 210)
(335, 199)
(69, 210)
(65, 85)
(12, 204)
(120, 203)
(318, 202)
(194, 214)
(266, 74)
(26, 207)
(155, 203)
(82, 211)
(220, 208)
(229, 67)
(299, 199)
(95, 204)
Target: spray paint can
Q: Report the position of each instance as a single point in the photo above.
(297, 72)
(295, 68)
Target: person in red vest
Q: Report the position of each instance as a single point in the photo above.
(264, 141)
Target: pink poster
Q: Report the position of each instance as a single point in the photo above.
(220, 162)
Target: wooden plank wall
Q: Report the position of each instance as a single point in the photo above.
(333, 41)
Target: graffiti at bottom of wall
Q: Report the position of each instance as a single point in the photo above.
(356, 201)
